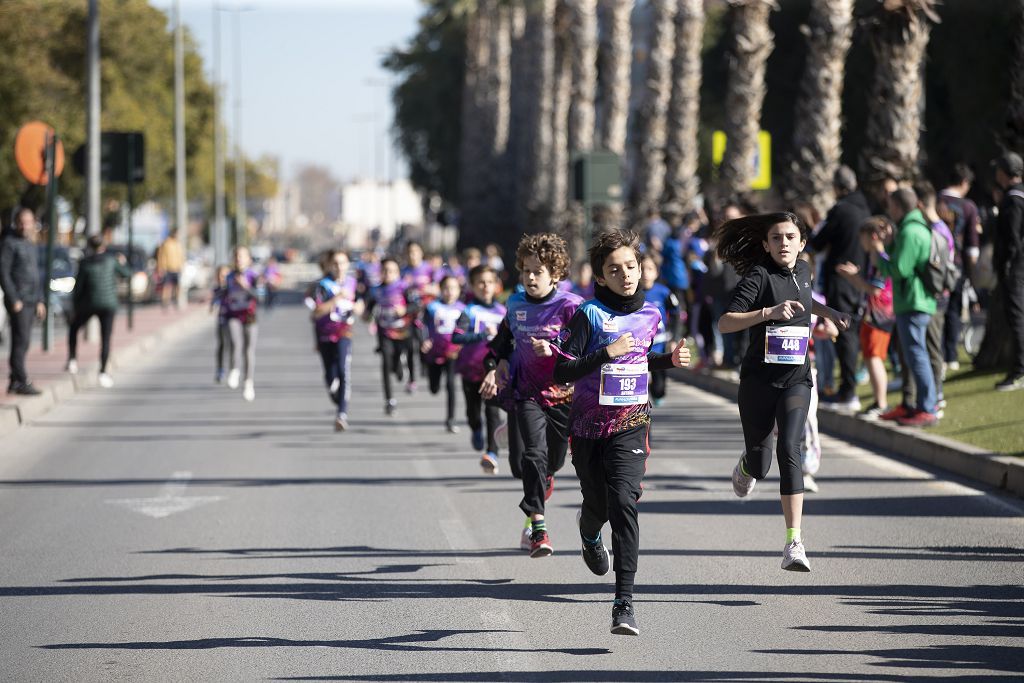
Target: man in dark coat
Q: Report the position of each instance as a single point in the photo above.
(19, 278)
(1008, 260)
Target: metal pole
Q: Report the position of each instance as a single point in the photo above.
(92, 175)
(180, 199)
(219, 237)
(241, 234)
(51, 197)
(131, 228)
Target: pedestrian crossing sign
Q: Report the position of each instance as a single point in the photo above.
(762, 161)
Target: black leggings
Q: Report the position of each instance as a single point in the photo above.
(106, 318)
(446, 371)
(659, 379)
(761, 408)
(391, 351)
(475, 404)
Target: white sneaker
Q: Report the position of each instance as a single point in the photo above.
(106, 381)
(526, 539)
(794, 557)
(810, 485)
(72, 367)
(249, 393)
(742, 484)
(233, 377)
(501, 435)
(810, 459)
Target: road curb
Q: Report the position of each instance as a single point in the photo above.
(25, 410)
(977, 464)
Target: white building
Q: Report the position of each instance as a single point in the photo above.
(369, 204)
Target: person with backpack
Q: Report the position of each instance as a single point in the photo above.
(1008, 260)
(963, 219)
(913, 305)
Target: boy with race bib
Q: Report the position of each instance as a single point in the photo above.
(394, 306)
(773, 301)
(334, 306)
(607, 353)
(438, 349)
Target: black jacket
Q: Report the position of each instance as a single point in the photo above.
(1008, 254)
(19, 271)
(840, 235)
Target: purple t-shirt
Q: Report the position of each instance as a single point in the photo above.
(439, 319)
(475, 320)
(615, 397)
(238, 302)
(533, 375)
(392, 315)
(338, 322)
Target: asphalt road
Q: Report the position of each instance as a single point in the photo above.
(167, 530)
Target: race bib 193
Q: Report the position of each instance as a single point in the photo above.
(623, 385)
(786, 345)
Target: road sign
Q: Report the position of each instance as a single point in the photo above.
(30, 152)
(762, 161)
(115, 158)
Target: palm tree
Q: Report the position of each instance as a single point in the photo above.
(745, 95)
(562, 96)
(898, 32)
(472, 187)
(652, 115)
(614, 56)
(681, 154)
(583, 35)
(818, 120)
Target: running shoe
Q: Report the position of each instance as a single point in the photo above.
(249, 393)
(550, 488)
(341, 423)
(920, 418)
(410, 387)
(895, 414)
(953, 365)
(843, 404)
(476, 439)
(489, 463)
(218, 377)
(526, 538)
(810, 459)
(742, 484)
(1011, 383)
(810, 485)
(657, 402)
(794, 557)
(540, 544)
(595, 555)
(106, 381)
(624, 619)
(72, 367)
(872, 413)
(390, 406)
(233, 377)
(451, 427)
(501, 435)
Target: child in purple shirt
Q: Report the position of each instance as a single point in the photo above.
(523, 346)
(607, 353)
(334, 307)
(439, 352)
(238, 307)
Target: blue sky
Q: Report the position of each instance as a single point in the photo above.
(312, 86)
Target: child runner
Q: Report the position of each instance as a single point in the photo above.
(334, 305)
(524, 348)
(477, 326)
(223, 335)
(240, 310)
(775, 381)
(394, 307)
(439, 319)
(607, 354)
(669, 307)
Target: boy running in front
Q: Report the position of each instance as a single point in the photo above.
(607, 354)
(522, 354)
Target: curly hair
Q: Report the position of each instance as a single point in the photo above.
(608, 241)
(550, 250)
(739, 240)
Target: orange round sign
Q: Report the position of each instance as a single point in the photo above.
(30, 152)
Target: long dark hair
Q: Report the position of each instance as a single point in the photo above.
(739, 240)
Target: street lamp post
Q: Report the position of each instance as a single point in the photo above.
(218, 236)
(241, 217)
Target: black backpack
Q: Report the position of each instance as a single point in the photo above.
(940, 274)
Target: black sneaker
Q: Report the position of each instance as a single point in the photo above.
(596, 557)
(27, 389)
(623, 619)
(1011, 383)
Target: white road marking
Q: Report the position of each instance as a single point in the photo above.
(172, 499)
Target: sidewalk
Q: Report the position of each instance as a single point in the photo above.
(992, 469)
(152, 326)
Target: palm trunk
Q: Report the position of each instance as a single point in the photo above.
(560, 107)
(898, 38)
(583, 53)
(652, 116)
(745, 95)
(615, 53)
(472, 183)
(817, 127)
(681, 181)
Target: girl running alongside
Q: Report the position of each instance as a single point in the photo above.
(394, 307)
(439, 352)
(607, 353)
(668, 305)
(334, 308)
(223, 335)
(239, 308)
(477, 325)
(775, 381)
(522, 356)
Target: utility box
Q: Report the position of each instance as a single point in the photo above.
(597, 178)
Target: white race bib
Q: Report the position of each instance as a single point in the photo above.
(623, 385)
